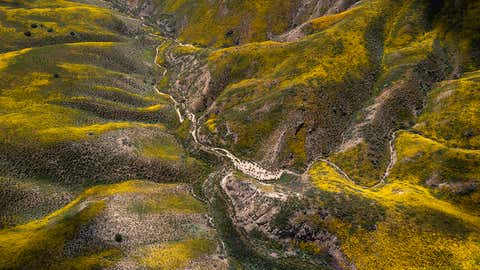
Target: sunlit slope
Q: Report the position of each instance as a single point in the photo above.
(442, 152)
(421, 49)
(134, 223)
(452, 115)
(401, 225)
(385, 82)
(39, 23)
(301, 94)
(77, 103)
(366, 86)
(78, 108)
(337, 88)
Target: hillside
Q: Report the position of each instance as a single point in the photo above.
(261, 134)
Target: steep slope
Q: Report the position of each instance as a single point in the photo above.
(420, 50)
(329, 221)
(441, 152)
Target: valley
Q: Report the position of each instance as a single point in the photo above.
(142, 134)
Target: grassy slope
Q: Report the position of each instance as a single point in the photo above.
(211, 22)
(315, 90)
(431, 197)
(292, 77)
(430, 202)
(407, 46)
(41, 243)
(77, 107)
(443, 154)
(418, 230)
(309, 79)
(451, 116)
(54, 21)
(80, 64)
(27, 199)
(74, 81)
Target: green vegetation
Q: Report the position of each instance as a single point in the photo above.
(274, 82)
(22, 200)
(79, 108)
(168, 203)
(444, 155)
(452, 116)
(33, 113)
(103, 259)
(79, 78)
(384, 55)
(425, 42)
(442, 234)
(452, 173)
(356, 161)
(41, 243)
(227, 23)
(176, 255)
(162, 147)
(94, 87)
(56, 21)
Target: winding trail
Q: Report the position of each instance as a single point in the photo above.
(251, 168)
(177, 105)
(393, 159)
(381, 182)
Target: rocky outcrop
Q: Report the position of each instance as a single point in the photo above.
(188, 75)
(258, 207)
(311, 9)
(254, 205)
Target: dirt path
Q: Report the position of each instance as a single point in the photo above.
(249, 168)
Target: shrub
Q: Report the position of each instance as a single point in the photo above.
(118, 238)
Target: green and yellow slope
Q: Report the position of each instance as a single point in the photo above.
(88, 83)
(374, 104)
(81, 236)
